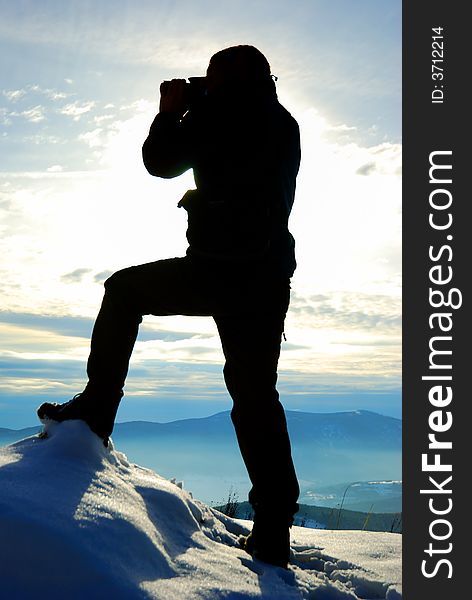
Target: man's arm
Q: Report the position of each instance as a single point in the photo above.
(166, 151)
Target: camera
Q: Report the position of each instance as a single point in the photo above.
(195, 91)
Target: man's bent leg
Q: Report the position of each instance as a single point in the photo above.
(161, 288)
(114, 334)
(167, 287)
(113, 338)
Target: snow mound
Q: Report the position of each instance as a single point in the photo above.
(78, 520)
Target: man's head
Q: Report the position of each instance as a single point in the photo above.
(240, 69)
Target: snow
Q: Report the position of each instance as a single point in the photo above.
(77, 520)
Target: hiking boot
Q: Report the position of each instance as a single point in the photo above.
(268, 541)
(98, 412)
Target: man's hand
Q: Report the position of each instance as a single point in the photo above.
(173, 96)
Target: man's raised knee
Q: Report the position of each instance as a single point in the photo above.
(118, 280)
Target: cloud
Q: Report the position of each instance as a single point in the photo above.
(77, 109)
(102, 118)
(34, 115)
(14, 95)
(41, 139)
(50, 93)
(4, 119)
(21, 376)
(75, 276)
(68, 326)
(351, 333)
(34, 89)
(94, 139)
(102, 276)
(53, 95)
(79, 327)
(349, 311)
(342, 128)
(346, 218)
(366, 169)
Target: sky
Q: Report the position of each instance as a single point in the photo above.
(78, 91)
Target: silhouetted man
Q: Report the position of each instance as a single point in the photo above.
(244, 149)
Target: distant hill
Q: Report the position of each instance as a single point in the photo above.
(8, 436)
(328, 449)
(360, 429)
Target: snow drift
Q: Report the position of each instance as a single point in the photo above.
(77, 520)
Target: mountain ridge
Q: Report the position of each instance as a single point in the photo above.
(227, 412)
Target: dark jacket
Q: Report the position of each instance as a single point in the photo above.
(245, 162)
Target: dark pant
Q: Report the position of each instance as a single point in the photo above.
(249, 309)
